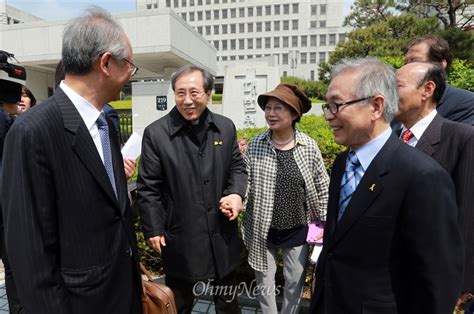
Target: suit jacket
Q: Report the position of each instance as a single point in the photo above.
(451, 144)
(457, 105)
(397, 249)
(68, 237)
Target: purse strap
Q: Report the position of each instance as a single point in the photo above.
(145, 272)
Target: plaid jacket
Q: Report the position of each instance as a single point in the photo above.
(261, 163)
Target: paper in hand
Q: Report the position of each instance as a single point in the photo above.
(133, 148)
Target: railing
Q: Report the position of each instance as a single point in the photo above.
(126, 129)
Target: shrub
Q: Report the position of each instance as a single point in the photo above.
(312, 89)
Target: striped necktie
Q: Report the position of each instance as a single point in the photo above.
(106, 150)
(351, 178)
(406, 136)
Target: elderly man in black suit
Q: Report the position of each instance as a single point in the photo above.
(451, 144)
(68, 224)
(391, 241)
(455, 104)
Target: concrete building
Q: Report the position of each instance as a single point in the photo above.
(11, 15)
(297, 34)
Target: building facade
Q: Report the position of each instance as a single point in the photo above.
(297, 34)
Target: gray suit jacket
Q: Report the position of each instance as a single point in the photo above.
(457, 105)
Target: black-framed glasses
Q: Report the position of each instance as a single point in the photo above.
(334, 107)
(134, 67)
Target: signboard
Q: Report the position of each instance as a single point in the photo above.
(161, 103)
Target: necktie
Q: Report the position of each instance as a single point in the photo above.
(351, 178)
(406, 136)
(106, 151)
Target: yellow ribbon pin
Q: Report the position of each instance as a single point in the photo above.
(372, 187)
(217, 143)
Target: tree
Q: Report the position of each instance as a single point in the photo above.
(368, 12)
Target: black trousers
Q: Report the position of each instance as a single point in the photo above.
(225, 300)
(14, 304)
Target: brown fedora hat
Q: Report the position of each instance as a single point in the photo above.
(289, 94)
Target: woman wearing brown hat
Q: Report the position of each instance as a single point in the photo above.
(288, 188)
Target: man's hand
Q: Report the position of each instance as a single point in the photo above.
(157, 242)
(129, 166)
(231, 205)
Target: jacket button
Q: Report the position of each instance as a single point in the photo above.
(202, 154)
(128, 252)
(206, 181)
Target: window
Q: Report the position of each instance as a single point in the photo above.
(276, 9)
(199, 30)
(342, 37)
(224, 28)
(312, 57)
(232, 44)
(286, 9)
(296, 8)
(168, 3)
(268, 26)
(250, 11)
(232, 28)
(183, 16)
(303, 56)
(249, 43)
(216, 1)
(191, 16)
(322, 40)
(176, 3)
(259, 43)
(284, 73)
(322, 9)
(250, 27)
(312, 40)
(284, 58)
(216, 29)
(332, 39)
(241, 12)
(224, 13)
(241, 28)
(200, 16)
(294, 25)
(155, 5)
(216, 14)
(322, 57)
(276, 42)
(232, 57)
(208, 1)
(148, 6)
(249, 56)
(268, 42)
(312, 75)
(322, 23)
(208, 30)
(286, 25)
(199, 2)
(259, 26)
(216, 44)
(276, 26)
(233, 13)
(224, 45)
(224, 1)
(285, 41)
(183, 3)
(268, 10)
(191, 3)
(241, 44)
(304, 41)
(314, 9)
(224, 58)
(241, 57)
(259, 11)
(208, 15)
(313, 24)
(294, 41)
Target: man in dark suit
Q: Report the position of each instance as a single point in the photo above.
(68, 225)
(391, 240)
(456, 104)
(451, 144)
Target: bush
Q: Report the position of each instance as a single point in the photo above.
(312, 89)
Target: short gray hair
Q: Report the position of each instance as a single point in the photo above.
(87, 37)
(206, 75)
(375, 78)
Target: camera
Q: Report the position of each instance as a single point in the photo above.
(15, 72)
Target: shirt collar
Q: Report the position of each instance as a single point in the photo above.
(420, 127)
(367, 152)
(88, 112)
(177, 121)
(298, 135)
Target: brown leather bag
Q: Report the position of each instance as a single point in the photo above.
(156, 298)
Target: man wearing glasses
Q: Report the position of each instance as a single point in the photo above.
(391, 240)
(190, 186)
(68, 224)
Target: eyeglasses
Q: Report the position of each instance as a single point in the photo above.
(334, 108)
(194, 94)
(277, 109)
(134, 67)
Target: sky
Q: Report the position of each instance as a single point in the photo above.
(52, 10)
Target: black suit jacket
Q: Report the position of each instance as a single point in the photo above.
(67, 235)
(397, 249)
(451, 144)
(457, 105)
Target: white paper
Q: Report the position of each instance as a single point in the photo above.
(133, 148)
(316, 252)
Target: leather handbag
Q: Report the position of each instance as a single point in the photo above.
(156, 298)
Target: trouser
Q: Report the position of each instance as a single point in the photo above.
(14, 304)
(225, 303)
(294, 270)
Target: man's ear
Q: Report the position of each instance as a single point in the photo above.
(428, 90)
(104, 62)
(378, 106)
(444, 63)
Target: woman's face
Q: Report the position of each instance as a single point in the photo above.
(279, 116)
(25, 102)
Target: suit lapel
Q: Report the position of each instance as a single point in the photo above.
(431, 137)
(366, 193)
(82, 143)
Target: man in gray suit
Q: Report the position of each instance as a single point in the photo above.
(451, 144)
(68, 224)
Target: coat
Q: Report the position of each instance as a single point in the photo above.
(179, 186)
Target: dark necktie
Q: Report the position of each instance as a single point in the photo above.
(351, 178)
(406, 136)
(106, 150)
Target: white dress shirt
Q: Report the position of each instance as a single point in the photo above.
(419, 128)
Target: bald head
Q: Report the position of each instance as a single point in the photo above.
(420, 86)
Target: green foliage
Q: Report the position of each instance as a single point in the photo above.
(368, 12)
(312, 89)
(462, 75)
(151, 259)
(217, 98)
(122, 104)
(461, 43)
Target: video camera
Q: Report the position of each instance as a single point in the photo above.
(14, 71)
(12, 78)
